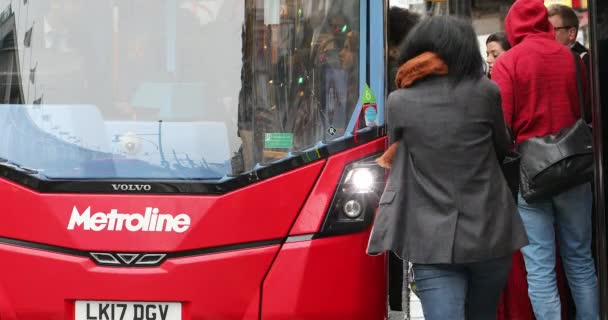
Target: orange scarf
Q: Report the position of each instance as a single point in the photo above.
(421, 66)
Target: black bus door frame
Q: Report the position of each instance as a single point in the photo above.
(599, 76)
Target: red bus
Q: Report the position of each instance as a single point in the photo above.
(187, 159)
(206, 159)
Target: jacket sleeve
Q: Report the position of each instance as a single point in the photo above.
(502, 77)
(393, 104)
(500, 133)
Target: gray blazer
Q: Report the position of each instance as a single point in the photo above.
(446, 199)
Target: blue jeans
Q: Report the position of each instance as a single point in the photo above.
(570, 214)
(468, 291)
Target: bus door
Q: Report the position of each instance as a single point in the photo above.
(599, 74)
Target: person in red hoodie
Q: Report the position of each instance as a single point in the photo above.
(537, 81)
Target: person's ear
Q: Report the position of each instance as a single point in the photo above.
(572, 34)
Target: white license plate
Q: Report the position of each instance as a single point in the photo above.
(121, 310)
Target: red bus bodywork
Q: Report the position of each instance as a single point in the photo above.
(247, 254)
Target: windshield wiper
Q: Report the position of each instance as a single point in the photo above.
(9, 164)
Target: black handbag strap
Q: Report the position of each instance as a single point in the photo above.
(579, 84)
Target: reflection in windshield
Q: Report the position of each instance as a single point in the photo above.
(300, 78)
(172, 89)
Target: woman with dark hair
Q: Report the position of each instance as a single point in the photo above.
(496, 44)
(446, 207)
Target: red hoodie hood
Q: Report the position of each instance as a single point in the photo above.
(525, 18)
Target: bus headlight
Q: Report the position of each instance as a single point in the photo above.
(362, 180)
(356, 198)
(352, 209)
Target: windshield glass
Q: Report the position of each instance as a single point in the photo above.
(166, 89)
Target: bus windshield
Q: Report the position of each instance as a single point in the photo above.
(173, 89)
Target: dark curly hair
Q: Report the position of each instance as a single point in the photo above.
(400, 22)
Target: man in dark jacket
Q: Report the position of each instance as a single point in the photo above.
(565, 23)
(539, 99)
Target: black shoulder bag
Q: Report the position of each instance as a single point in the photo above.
(510, 169)
(556, 163)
